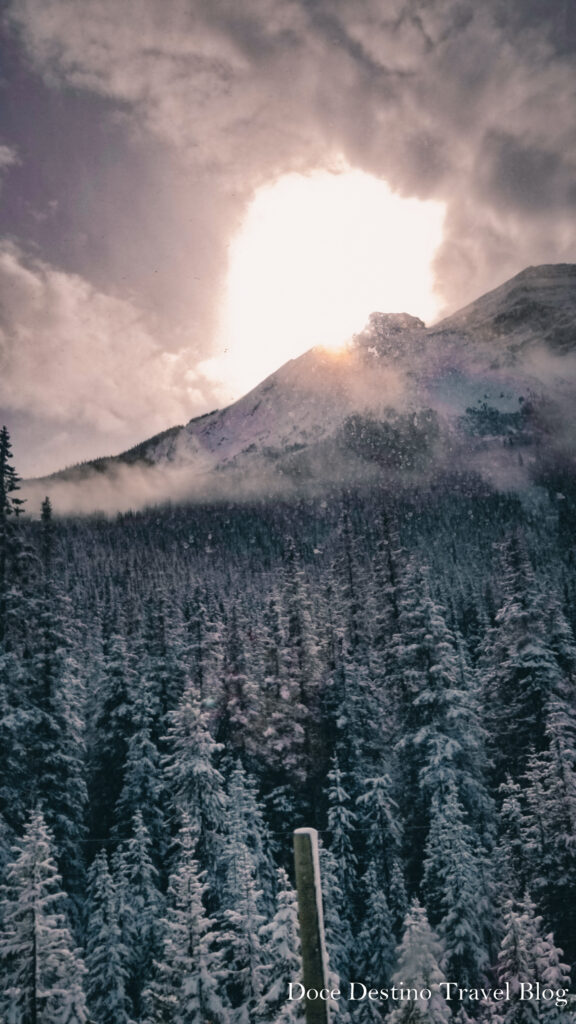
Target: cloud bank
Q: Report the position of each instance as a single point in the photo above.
(55, 329)
(447, 99)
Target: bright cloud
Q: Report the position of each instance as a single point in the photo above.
(314, 257)
(76, 356)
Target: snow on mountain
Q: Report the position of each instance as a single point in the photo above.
(471, 391)
(537, 306)
(303, 402)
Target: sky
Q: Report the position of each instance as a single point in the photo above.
(135, 135)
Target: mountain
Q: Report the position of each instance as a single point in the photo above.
(487, 392)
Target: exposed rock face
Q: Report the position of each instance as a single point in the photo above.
(386, 333)
(385, 324)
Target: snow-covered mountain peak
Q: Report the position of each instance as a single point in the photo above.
(487, 390)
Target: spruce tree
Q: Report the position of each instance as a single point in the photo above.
(240, 921)
(457, 890)
(341, 826)
(440, 737)
(17, 615)
(41, 971)
(244, 883)
(375, 952)
(140, 909)
(10, 509)
(337, 927)
(438, 715)
(548, 836)
(160, 649)
(105, 954)
(55, 733)
(111, 726)
(281, 962)
(529, 954)
(419, 956)
(512, 868)
(200, 640)
(520, 668)
(299, 670)
(143, 786)
(195, 784)
(185, 980)
(239, 708)
(378, 816)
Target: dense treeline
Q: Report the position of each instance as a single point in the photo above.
(181, 688)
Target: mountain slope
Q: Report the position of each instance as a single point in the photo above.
(537, 306)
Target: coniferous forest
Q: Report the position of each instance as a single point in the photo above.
(182, 687)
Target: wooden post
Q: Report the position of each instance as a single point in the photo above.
(307, 865)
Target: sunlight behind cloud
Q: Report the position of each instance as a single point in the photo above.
(316, 254)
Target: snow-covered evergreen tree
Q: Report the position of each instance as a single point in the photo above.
(528, 954)
(105, 954)
(341, 826)
(239, 936)
(10, 547)
(185, 982)
(246, 825)
(246, 879)
(239, 697)
(143, 787)
(41, 971)
(286, 648)
(55, 738)
(375, 950)
(281, 961)
(440, 738)
(18, 609)
(548, 836)
(397, 896)
(299, 670)
(141, 908)
(419, 957)
(379, 818)
(161, 653)
(519, 667)
(200, 640)
(194, 782)
(110, 726)
(457, 890)
(511, 876)
(337, 927)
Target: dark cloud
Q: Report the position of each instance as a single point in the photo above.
(554, 19)
(526, 177)
(143, 128)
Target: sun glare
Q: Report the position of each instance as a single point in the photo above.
(316, 254)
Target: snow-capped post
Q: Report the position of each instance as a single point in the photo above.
(307, 866)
